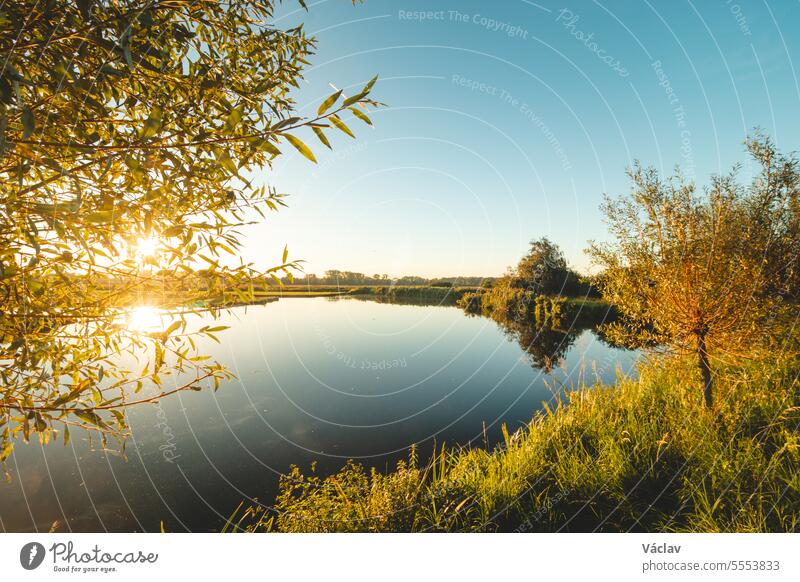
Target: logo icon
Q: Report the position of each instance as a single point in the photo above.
(31, 555)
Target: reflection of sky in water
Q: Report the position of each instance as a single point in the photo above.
(318, 380)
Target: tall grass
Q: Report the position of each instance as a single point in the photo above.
(643, 455)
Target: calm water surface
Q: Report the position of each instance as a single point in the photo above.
(318, 380)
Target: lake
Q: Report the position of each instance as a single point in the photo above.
(319, 380)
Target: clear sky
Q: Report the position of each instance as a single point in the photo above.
(508, 120)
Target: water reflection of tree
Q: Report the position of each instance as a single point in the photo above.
(546, 345)
(548, 331)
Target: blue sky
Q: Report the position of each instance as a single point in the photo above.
(507, 121)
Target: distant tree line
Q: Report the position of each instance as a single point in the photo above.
(543, 270)
(336, 277)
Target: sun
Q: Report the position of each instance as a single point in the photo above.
(145, 319)
(147, 247)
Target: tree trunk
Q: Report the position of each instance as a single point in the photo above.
(705, 370)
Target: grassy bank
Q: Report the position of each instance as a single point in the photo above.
(445, 295)
(288, 293)
(643, 455)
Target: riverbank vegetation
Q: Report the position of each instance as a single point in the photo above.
(126, 143)
(712, 279)
(642, 455)
(338, 278)
(434, 295)
(445, 295)
(715, 274)
(541, 288)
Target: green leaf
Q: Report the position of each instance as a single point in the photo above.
(39, 424)
(102, 216)
(121, 424)
(128, 58)
(159, 358)
(368, 87)
(301, 147)
(234, 119)
(217, 328)
(361, 115)
(172, 231)
(285, 254)
(364, 92)
(266, 145)
(285, 123)
(90, 417)
(341, 126)
(152, 124)
(328, 102)
(64, 398)
(321, 136)
(72, 395)
(109, 70)
(8, 448)
(172, 328)
(351, 100)
(225, 160)
(28, 122)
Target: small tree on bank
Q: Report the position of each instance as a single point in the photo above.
(709, 273)
(545, 270)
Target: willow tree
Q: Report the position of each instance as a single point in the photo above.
(130, 132)
(713, 273)
(543, 269)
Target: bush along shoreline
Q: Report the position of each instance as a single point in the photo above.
(642, 455)
(445, 295)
